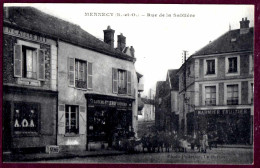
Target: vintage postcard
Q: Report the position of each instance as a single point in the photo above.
(128, 83)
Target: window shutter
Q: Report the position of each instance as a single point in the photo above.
(115, 80)
(90, 75)
(61, 119)
(129, 91)
(71, 71)
(18, 61)
(82, 120)
(41, 64)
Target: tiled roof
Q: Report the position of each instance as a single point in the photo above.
(34, 20)
(231, 41)
(174, 79)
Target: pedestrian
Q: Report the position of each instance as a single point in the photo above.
(204, 142)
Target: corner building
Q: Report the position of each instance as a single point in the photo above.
(220, 88)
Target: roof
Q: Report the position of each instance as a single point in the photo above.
(174, 79)
(162, 89)
(34, 20)
(231, 41)
(147, 101)
(139, 75)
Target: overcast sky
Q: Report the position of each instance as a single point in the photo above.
(158, 41)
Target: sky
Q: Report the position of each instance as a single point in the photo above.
(157, 34)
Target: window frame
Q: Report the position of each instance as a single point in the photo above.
(251, 64)
(77, 119)
(250, 95)
(227, 65)
(206, 67)
(239, 92)
(204, 94)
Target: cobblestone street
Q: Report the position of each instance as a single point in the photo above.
(214, 156)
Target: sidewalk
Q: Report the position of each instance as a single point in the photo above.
(236, 146)
(10, 157)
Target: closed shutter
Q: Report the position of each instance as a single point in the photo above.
(71, 71)
(129, 91)
(61, 119)
(90, 75)
(18, 61)
(115, 80)
(82, 120)
(41, 65)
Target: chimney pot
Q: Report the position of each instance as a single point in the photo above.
(121, 42)
(244, 26)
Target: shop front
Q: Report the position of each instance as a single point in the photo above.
(107, 117)
(229, 126)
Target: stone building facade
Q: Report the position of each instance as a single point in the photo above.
(218, 97)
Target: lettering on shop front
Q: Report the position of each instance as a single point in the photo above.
(223, 111)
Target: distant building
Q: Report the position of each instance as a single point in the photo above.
(148, 111)
(216, 88)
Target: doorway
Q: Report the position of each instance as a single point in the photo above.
(6, 120)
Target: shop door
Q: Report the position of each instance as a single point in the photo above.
(7, 138)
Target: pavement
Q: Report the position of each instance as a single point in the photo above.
(21, 157)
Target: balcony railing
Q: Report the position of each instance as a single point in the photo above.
(232, 101)
(210, 102)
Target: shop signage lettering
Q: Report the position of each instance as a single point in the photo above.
(223, 111)
(110, 103)
(19, 33)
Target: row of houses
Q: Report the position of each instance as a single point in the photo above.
(213, 90)
(63, 86)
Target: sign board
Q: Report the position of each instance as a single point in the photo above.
(52, 149)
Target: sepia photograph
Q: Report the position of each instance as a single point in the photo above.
(128, 83)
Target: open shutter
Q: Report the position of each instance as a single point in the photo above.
(82, 120)
(61, 119)
(129, 91)
(90, 75)
(71, 71)
(115, 80)
(18, 61)
(41, 64)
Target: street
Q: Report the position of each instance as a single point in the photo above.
(214, 156)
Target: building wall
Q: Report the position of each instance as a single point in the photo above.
(148, 113)
(28, 91)
(102, 84)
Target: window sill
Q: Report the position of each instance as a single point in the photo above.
(71, 135)
(232, 73)
(83, 89)
(29, 82)
(210, 75)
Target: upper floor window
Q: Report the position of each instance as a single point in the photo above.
(210, 95)
(72, 119)
(210, 67)
(121, 81)
(232, 94)
(80, 73)
(251, 64)
(29, 61)
(252, 93)
(232, 64)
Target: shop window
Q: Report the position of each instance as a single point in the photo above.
(232, 94)
(121, 81)
(29, 61)
(26, 118)
(232, 65)
(80, 73)
(72, 119)
(210, 95)
(210, 67)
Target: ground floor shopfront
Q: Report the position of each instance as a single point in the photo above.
(29, 118)
(229, 125)
(108, 118)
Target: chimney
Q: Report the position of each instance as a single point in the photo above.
(132, 51)
(121, 42)
(109, 36)
(244, 26)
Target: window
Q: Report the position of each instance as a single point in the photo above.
(121, 81)
(232, 65)
(210, 95)
(232, 94)
(252, 93)
(26, 118)
(210, 67)
(251, 64)
(80, 73)
(72, 119)
(29, 61)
